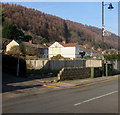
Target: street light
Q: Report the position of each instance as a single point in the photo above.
(18, 63)
(110, 7)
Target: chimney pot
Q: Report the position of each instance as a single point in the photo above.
(30, 41)
(64, 42)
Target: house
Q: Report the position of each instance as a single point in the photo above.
(67, 50)
(42, 50)
(10, 45)
(91, 52)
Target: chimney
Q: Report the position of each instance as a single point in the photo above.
(103, 52)
(30, 41)
(99, 49)
(92, 48)
(45, 44)
(64, 42)
(84, 46)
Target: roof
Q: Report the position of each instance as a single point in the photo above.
(13, 41)
(69, 44)
(88, 50)
(35, 45)
(5, 42)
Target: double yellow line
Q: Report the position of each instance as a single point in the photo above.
(87, 84)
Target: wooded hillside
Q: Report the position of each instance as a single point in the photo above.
(47, 28)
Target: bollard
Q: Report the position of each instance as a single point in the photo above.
(106, 69)
(92, 72)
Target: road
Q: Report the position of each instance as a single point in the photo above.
(97, 98)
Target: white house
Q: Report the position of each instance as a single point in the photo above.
(11, 44)
(69, 50)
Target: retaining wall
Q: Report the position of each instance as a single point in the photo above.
(59, 64)
(54, 64)
(69, 73)
(74, 73)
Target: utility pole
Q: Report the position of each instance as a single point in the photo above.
(103, 27)
(103, 22)
(18, 63)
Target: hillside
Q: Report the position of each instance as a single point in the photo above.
(47, 28)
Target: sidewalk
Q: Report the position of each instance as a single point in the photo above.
(23, 85)
(80, 82)
(33, 87)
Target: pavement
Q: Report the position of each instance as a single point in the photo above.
(22, 84)
(79, 82)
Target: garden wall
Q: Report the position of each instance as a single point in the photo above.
(59, 64)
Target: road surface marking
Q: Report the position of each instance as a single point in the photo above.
(95, 98)
(87, 84)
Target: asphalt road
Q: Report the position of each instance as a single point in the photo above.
(97, 98)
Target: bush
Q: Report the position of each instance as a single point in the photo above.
(112, 57)
(87, 57)
(59, 57)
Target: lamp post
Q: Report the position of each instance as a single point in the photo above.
(18, 56)
(110, 7)
(103, 26)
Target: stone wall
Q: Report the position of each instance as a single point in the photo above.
(69, 73)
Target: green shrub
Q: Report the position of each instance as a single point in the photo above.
(59, 57)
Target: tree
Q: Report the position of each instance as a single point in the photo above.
(2, 17)
(66, 32)
(54, 28)
(31, 51)
(11, 31)
(22, 49)
(27, 38)
(112, 56)
(43, 40)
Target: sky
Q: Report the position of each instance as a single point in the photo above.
(89, 13)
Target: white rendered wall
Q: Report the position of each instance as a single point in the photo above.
(68, 52)
(77, 55)
(10, 45)
(55, 49)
